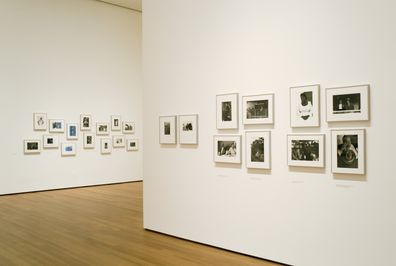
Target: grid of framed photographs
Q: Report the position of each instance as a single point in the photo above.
(69, 147)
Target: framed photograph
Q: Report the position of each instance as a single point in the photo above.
(128, 127)
(305, 106)
(227, 111)
(348, 103)
(85, 122)
(227, 148)
(40, 122)
(132, 144)
(348, 151)
(167, 128)
(56, 126)
(72, 131)
(188, 129)
(118, 141)
(306, 150)
(89, 141)
(32, 146)
(50, 142)
(258, 109)
(102, 129)
(116, 123)
(258, 149)
(68, 149)
(105, 146)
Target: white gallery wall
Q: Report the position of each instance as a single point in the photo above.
(193, 50)
(66, 58)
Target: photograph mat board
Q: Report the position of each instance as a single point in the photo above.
(68, 149)
(306, 150)
(132, 144)
(227, 111)
(105, 146)
(57, 126)
(258, 149)
(85, 122)
(89, 141)
(50, 141)
(116, 123)
(258, 109)
(305, 106)
(188, 129)
(128, 127)
(102, 129)
(40, 122)
(32, 146)
(167, 129)
(227, 148)
(72, 131)
(118, 141)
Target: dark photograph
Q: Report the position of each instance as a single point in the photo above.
(118, 141)
(102, 128)
(32, 146)
(116, 122)
(257, 150)
(86, 122)
(167, 128)
(346, 103)
(106, 145)
(56, 125)
(226, 148)
(187, 126)
(347, 151)
(89, 139)
(257, 109)
(305, 107)
(132, 144)
(50, 141)
(305, 150)
(226, 111)
(128, 127)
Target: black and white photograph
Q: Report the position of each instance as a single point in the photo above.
(118, 141)
(102, 129)
(305, 106)
(105, 146)
(258, 109)
(32, 146)
(56, 126)
(258, 150)
(50, 142)
(40, 122)
(227, 111)
(85, 122)
(132, 144)
(68, 149)
(116, 124)
(72, 131)
(188, 129)
(306, 150)
(167, 129)
(348, 151)
(348, 103)
(227, 148)
(128, 127)
(89, 141)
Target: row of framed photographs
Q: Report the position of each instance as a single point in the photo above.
(188, 129)
(41, 123)
(342, 104)
(34, 146)
(303, 150)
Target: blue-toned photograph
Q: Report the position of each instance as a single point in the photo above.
(73, 131)
(68, 148)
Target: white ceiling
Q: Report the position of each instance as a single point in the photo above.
(132, 4)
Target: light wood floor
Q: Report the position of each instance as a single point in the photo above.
(95, 226)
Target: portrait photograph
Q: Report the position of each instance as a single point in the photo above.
(72, 131)
(227, 148)
(32, 146)
(128, 127)
(105, 146)
(167, 130)
(68, 149)
(89, 141)
(227, 111)
(306, 150)
(50, 142)
(188, 129)
(116, 124)
(40, 122)
(258, 149)
(85, 122)
(348, 103)
(132, 144)
(102, 129)
(258, 109)
(118, 141)
(305, 106)
(348, 151)
(56, 126)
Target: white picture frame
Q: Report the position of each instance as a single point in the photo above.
(167, 129)
(116, 123)
(305, 106)
(227, 111)
(102, 129)
(348, 151)
(50, 142)
(72, 131)
(258, 109)
(56, 126)
(118, 141)
(32, 146)
(132, 144)
(227, 149)
(85, 122)
(40, 122)
(258, 149)
(89, 140)
(128, 127)
(68, 149)
(306, 150)
(105, 146)
(188, 129)
(348, 103)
